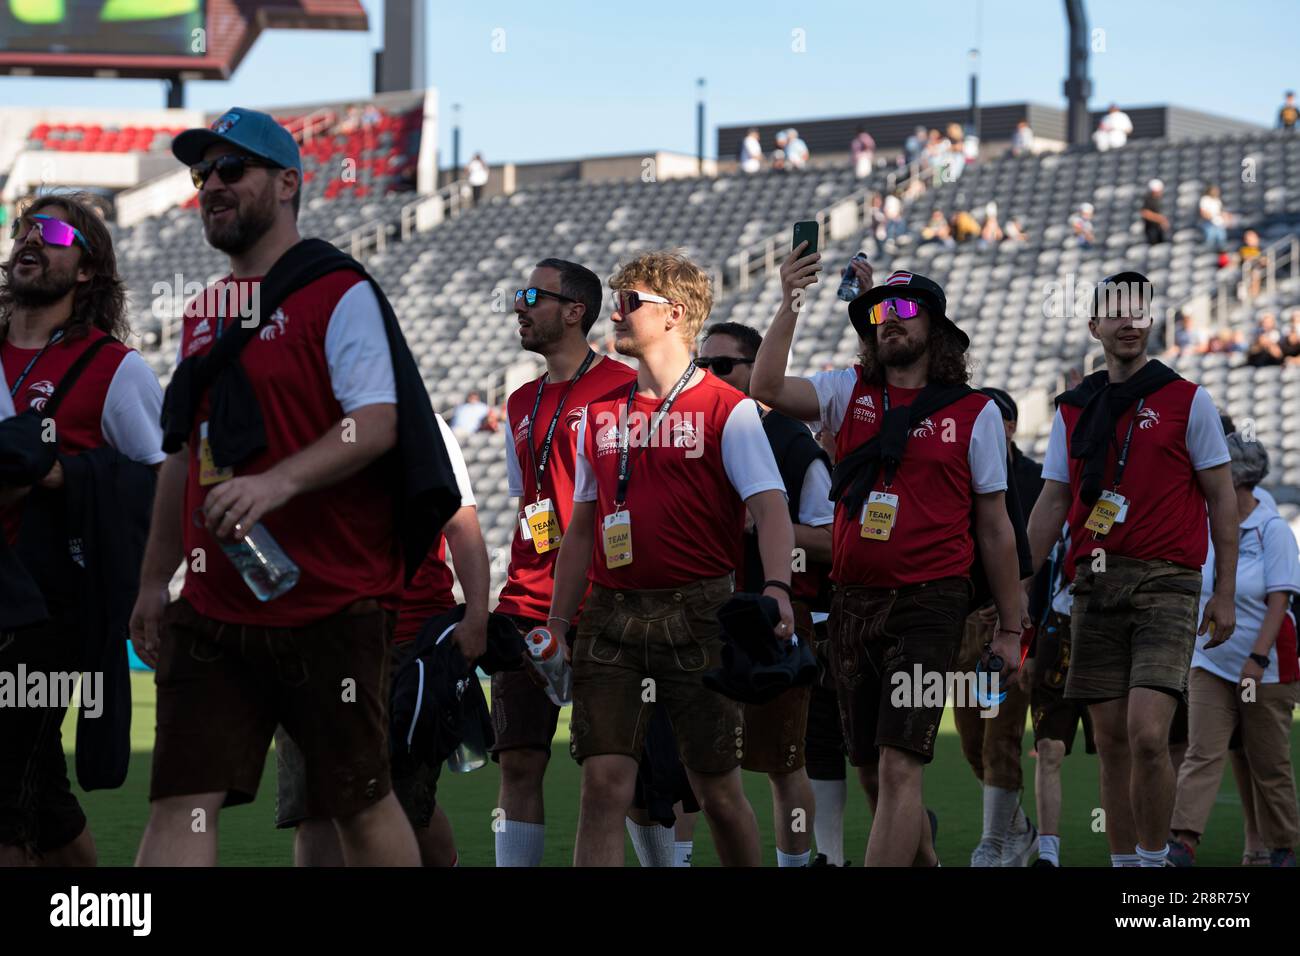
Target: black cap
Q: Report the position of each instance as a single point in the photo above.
(906, 285)
(1122, 283)
(1005, 403)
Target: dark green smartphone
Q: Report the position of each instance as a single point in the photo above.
(805, 229)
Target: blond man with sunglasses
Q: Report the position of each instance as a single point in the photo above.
(666, 469)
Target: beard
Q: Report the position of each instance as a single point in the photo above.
(543, 335)
(899, 352)
(251, 221)
(43, 289)
(626, 346)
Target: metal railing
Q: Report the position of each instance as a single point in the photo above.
(373, 235)
(761, 256)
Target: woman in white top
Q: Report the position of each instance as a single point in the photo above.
(1248, 683)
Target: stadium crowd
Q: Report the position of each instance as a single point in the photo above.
(728, 588)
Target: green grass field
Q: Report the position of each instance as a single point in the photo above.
(249, 838)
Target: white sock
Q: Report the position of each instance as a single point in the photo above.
(828, 823)
(520, 844)
(1153, 857)
(682, 850)
(653, 844)
(1124, 859)
(792, 859)
(1000, 808)
(1049, 848)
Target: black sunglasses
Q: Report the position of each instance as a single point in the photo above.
(530, 296)
(229, 166)
(722, 364)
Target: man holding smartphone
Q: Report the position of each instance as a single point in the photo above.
(666, 470)
(920, 453)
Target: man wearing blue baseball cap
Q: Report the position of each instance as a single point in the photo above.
(281, 420)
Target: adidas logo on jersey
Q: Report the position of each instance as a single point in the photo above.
(865, 401)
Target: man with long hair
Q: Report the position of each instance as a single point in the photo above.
(919, 453)
(60, 296)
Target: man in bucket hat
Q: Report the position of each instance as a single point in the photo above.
(919, 454)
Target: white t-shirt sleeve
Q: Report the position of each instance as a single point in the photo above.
(746, 453)
(1281, 559)
(458, 467)
(834, 389)
(987, 454)
(816, 510)
(1206, 445)
(1056, 462)
(584, 478)
(132, 408)
(514, 473)
(356, 351)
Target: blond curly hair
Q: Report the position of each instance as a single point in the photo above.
(675, 277)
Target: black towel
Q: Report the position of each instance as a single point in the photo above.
(1103, 404)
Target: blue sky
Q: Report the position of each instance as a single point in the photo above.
(579, 78)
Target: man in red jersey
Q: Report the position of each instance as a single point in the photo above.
(666, 470)
(230, 667)
(555, 313)
(920, 453)
(60, 295)
(1135, 457)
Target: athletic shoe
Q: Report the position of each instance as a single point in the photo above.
(1181, 854)
(986, 854)
(1283, 856)
(1020, 843)
(1041, 862)
(822, 861)
(1256, 858)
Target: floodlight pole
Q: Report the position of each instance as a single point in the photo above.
(455, 141)
(175, 92)
(699, 127)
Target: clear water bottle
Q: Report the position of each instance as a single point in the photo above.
(850, 287)
(547, 656)
(262, 563)
(471, 754)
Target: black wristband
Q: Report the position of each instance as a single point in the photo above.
(778, 584)
(1261, 659)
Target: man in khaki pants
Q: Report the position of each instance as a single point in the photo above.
(1248, 683)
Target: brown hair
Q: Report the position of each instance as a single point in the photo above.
(675, 277)
(99, 302)
(947, 360)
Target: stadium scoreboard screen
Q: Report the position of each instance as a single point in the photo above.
(142, 27)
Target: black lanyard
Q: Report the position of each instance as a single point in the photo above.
(1122, 461)
(624, 439)
(543, 455)
(55, 339)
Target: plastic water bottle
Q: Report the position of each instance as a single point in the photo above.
(545, 653)
(850, 287)
(262, 563)
(471, 753)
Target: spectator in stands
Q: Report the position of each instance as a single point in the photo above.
(964, 226)
(1289, 114)
(371, 116)
(1291, 340)
(1022, 139)
(934, 156)
(476, 174)
(1247, 684)
(895, 224)
(1266, 349)
(796, 152)
(1082, 225)
(1252, 263)
(1266, 328)
(1015, 232)
(468, 416)
(938, 230)
(781, 155)
(751, 153)
(876, 217)
(914, 146)
(863, 149)
(1227, 341)
(1214, 219)
(991, 232)
(955, 157)
(1188, 339)
(1114, 129)
(351, 121)
(1154, 222)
